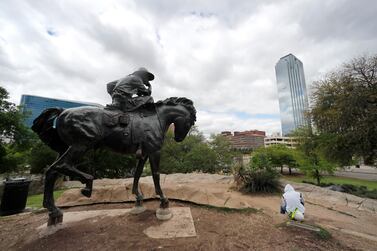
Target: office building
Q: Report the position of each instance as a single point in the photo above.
(32, 106)
(293, 99)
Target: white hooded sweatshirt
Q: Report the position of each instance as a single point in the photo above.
(293, 200)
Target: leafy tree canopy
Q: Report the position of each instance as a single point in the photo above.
(310, 156)
(15, 137)
(196, 154)
(344, 111)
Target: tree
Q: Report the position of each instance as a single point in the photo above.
(103, 163)
(200, 158)
(282, 156)
(261, 176)
(192, 154)
(12, 124)
(344, 111)
(223, 151)
(310, 156)
(195, 154)
(41, 156)
(278, 156)
(15, 137)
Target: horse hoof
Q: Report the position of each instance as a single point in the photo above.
(54, 220)
(137, 210)
(164, 214)
(86, 192)
(59, 219)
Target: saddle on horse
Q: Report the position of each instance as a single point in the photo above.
(138, 110)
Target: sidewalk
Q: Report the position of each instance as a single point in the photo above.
(364, 173)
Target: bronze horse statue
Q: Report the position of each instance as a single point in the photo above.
(74, 131)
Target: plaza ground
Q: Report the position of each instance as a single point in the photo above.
(216, 230)
(256, 225)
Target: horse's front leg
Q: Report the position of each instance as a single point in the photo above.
(163, 213)
(135, 187)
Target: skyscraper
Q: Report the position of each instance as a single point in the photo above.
(293, 99)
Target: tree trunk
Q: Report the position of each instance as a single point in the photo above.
(290, 170)
(317, 177)
(281, 169)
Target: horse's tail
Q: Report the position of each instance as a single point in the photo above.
(44, 126)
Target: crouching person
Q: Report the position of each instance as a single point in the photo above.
(292, 203)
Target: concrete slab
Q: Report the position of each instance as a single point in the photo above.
(180, 225)
(71, 217)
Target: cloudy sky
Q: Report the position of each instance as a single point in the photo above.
(220, 53)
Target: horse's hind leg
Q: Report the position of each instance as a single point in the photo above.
(155, 166)
(64, 166)
(55, 214)
(67, 168)
(135, 187)
(163, 213)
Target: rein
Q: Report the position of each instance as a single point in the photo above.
(159, 121)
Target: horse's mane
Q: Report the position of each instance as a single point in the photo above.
(180, 101)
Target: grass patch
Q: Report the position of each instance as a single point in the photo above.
(35, 201)
(246, 210)
(323, 234)
(361, 188)
(335, 180)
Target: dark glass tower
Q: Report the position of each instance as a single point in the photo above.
(32, 106)
(293, 98)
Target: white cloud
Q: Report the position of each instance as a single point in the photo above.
(219, 54)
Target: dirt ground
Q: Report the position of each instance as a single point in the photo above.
(216, 230)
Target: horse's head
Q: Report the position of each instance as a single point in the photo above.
(182, 125)
(182, 114)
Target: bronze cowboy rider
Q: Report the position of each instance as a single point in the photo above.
(131, 92)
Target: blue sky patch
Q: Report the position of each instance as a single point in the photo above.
(51, 32)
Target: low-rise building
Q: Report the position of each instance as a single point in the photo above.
(290, 142)
(246, 140)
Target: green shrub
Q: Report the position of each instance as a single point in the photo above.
(361, 191)
(264, 180)
(260, 176)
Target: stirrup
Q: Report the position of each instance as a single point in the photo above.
(139, 153)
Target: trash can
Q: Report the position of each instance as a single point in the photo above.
(14, 196)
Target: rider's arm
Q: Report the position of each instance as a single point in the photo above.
(144, 92)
